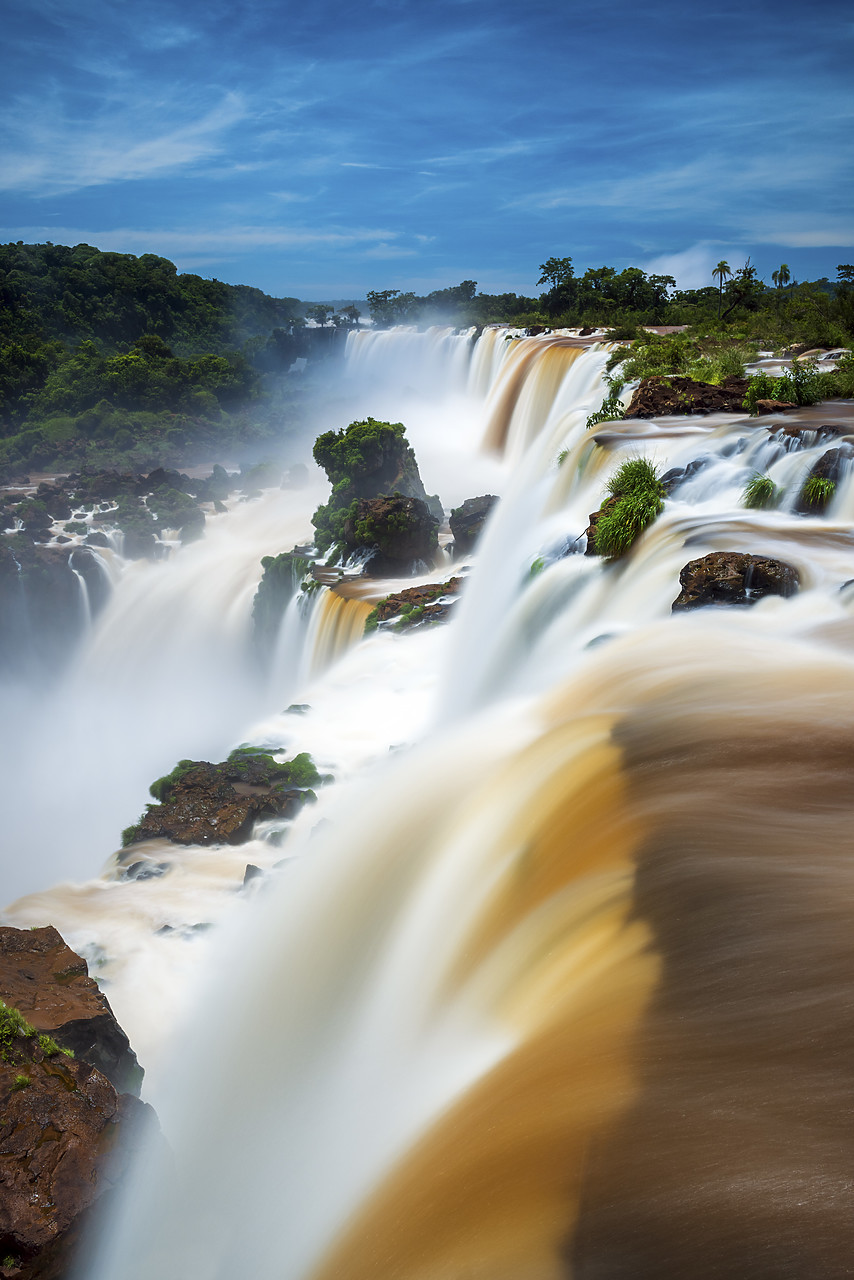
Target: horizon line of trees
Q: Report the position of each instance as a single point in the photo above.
(602, 296)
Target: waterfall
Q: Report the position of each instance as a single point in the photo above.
(554, 979)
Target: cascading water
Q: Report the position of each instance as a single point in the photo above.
(555, 981)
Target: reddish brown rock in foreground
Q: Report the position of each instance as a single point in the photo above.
(66, 1135)
(49, 983)
(660, 396)
(733, 577)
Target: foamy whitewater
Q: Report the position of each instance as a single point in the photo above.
(554, 980)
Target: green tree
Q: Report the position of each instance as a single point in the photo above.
(320, 312)
(721, 272)
(781, 277)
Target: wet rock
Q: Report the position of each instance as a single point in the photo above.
(733, 577)
(49, 983)
(55, 501)
(400, 532)
(416, 605)
(204, 803)
(774, 406)
(67, 1134)
(804, 429)
(660, 396)
(93, 486)
(468, 520)
(829, 467)
(97, 539)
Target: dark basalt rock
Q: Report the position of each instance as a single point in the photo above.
(830, 467)
(733, 577)
(468, 520)
(400, 530)
(660, 396)
(67, 1135)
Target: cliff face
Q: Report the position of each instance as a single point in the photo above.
(66, 1130)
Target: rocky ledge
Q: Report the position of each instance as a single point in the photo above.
(67, 1134)
(660, 396)
(204, 803)
(733, 577)
(415, 606)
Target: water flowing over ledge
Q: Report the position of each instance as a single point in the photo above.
(555, 979)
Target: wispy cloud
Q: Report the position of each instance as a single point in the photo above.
(51, 152)
(181, 240)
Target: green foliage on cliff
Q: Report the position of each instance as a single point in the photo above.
(14, 1026)
(364, 460)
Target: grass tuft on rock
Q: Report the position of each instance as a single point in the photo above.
(639, 497)
(817, 493)
(760, 492)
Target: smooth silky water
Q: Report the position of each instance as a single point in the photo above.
(555, 980)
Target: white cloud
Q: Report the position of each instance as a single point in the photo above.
(692, 268)
(52, 153)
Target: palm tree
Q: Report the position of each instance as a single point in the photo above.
(783, 276)
(722, 272)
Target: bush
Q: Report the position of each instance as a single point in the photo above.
(760, 492)
(611, 408)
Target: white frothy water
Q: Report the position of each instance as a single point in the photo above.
(327, 1023)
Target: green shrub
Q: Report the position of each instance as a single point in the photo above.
(20, 1082)
(759, 387)
(760, 492)
(611, 408)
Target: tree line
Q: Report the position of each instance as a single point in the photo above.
(819, 312)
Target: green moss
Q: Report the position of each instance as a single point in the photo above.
(537, 567)
(20, 1082)
(162, 788)
(298, 772)
(372, 620)
(760, 492)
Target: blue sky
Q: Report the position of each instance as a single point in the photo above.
(325, 148)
